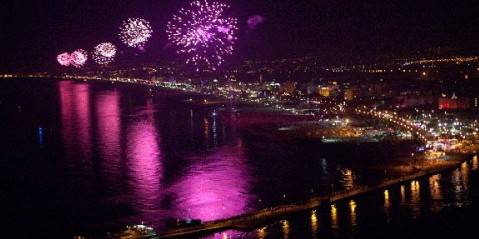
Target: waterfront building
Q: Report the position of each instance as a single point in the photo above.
(453, 103)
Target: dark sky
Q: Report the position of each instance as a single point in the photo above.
(32, 33)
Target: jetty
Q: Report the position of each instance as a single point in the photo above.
(255, 218)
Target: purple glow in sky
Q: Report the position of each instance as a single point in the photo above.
(254, 21)
(203, 34)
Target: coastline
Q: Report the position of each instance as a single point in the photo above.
(251, 219)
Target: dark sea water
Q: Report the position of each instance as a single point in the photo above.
(90, 158)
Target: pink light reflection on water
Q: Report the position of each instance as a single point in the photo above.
(109, 131)
(76, 120)
(66, 102)
(216, 186)
(83, 117)
(144, 163)
(228, 234)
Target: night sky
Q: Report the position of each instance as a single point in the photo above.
(32, 33)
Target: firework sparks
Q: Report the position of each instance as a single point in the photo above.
(64, 59)
(104, 53)
(203, 34)
(135, 32)
(78, 58)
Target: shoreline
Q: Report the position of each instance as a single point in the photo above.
(262, 215)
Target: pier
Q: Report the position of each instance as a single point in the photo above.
(254, 218)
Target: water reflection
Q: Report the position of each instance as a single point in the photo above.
(334, 217)
(225, 235)
(465, 175)
(192, 122)
(285, 229)
(206, 131)
(76, 123)
(144, 161)
(109, 131)
(209, 185)
(352, 209)
(436, 193)
(215, 131)
(261, 233)
(387, 204)
(456, 183)
(83, 118)
(475, 163)
(215, 186)
(415, 198)
(460, 183)
(66, 103)
(324, 166)
(314, 223)
(403, 195)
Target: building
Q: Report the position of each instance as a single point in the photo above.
(453, 103)
(351, 94)
(288, 88)
(324, 91)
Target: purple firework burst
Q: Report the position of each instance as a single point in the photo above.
(203, 34)
(78, 58)
(104, 53)
(135, 32)
(64, 59)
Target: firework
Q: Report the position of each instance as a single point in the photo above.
(203, 34)
(78, 58)
(64, 59)
(104, 53)
(135, 32)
